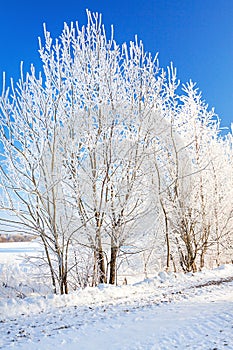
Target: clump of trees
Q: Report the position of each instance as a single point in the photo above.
(102, 157)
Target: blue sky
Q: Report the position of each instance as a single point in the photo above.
(196, 35)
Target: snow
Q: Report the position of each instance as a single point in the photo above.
(18, 250)
(166, 311)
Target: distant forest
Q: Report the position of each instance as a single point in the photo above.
(15, 238)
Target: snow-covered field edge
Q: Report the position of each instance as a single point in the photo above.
(163, 287)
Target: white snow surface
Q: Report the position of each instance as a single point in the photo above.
(167, 311)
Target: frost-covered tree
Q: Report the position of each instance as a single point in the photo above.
(190, 162)
(74, 145)
(100, 152)
(32, 171)
(114, 92)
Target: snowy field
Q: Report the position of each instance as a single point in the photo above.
(18, 251)
(167, 311)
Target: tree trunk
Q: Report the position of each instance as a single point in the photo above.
(101, 267)
(202, 257)
(194, 266)
(114, 251)
(52, 274)
(100, 261)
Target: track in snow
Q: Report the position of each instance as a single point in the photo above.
(195, 318)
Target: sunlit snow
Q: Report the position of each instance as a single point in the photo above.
(167, 311)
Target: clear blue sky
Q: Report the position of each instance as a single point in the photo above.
(197, 35)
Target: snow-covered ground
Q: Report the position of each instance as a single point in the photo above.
(168, 311)
(16, 251)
